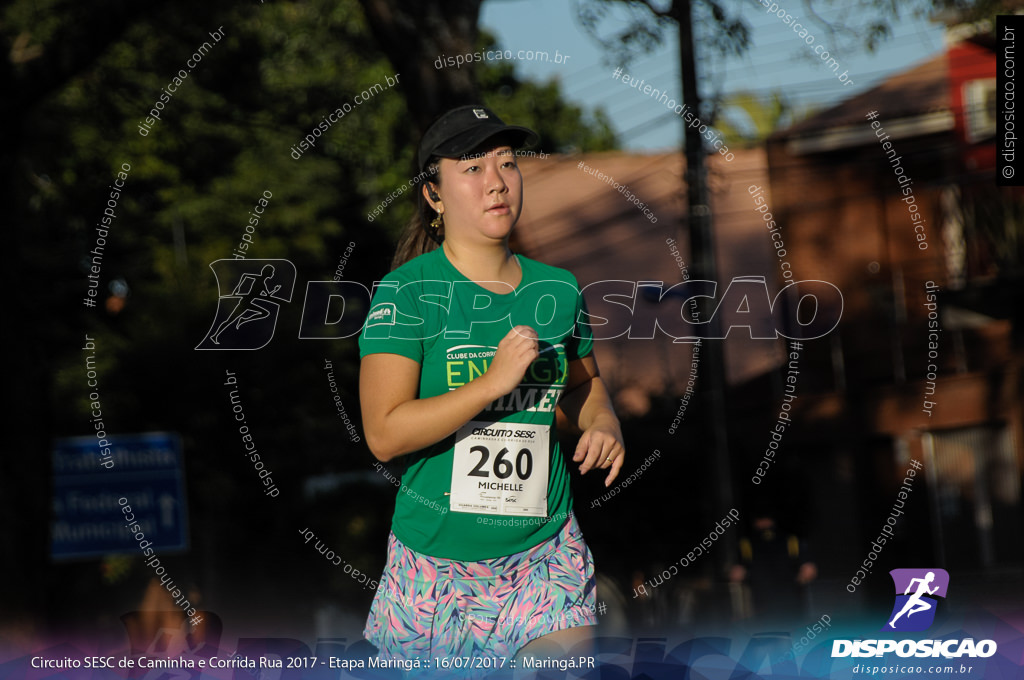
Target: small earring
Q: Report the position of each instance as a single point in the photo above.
(437, 223)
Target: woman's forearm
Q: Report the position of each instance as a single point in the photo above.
(418, 423)
(398, 422)
(589, 404)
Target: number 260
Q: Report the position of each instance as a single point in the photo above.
(502, 467)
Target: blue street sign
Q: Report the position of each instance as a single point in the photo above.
(143, 469)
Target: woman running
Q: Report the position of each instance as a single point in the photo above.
(467, 354)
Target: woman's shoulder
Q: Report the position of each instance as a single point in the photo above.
(540, 271)
(419, 268)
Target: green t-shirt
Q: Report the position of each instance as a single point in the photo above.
(429, 312)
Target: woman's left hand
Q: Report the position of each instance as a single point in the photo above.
(601, 447)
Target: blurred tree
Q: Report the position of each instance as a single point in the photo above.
(563, 127)
(640, 24)
(627, 28)
(413, 35)
(748, 119)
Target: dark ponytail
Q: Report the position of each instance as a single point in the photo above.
(418, 237)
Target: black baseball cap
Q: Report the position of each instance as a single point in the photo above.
(463, 129)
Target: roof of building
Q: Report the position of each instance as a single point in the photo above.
(573, 218)
(921, 90)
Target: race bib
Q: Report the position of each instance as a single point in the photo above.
(500, 469)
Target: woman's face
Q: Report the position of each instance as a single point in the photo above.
(481, 195)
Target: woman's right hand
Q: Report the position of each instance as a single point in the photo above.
(515, 353)
(397, 421)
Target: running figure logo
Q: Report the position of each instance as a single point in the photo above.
(915, 611)
(247, 316)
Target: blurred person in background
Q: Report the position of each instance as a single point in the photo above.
(776, 566)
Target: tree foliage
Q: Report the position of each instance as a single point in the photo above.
(626, 29)
(747, 118)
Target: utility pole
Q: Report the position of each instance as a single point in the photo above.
(711, 380)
